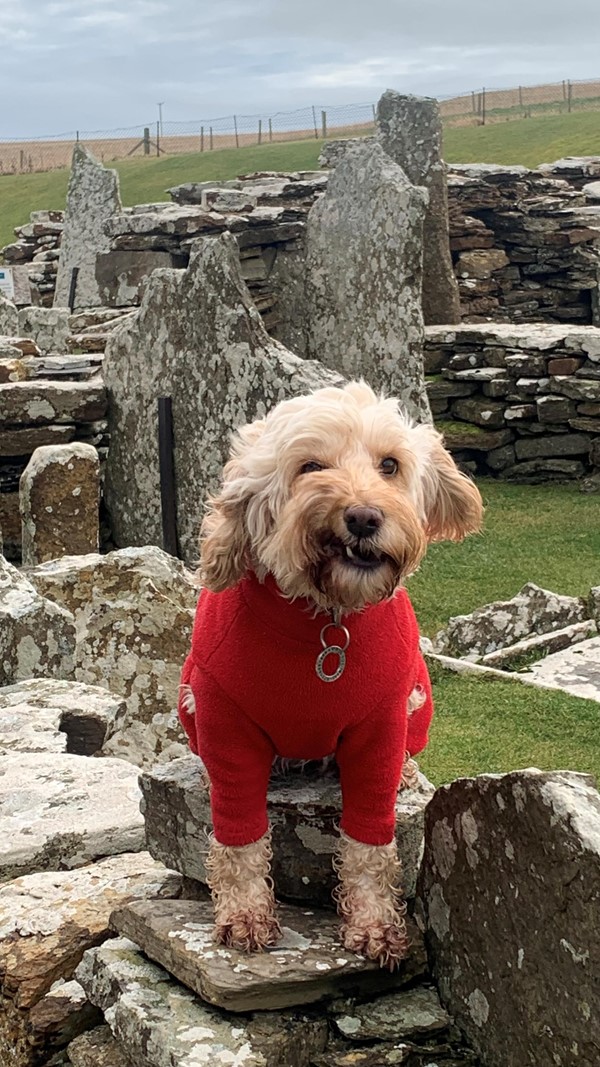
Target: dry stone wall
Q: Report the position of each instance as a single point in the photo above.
(521, 403)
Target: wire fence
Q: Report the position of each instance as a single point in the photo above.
(476, 108)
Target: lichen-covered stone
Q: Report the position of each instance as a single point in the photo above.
(59, 498)
(304, 812)
(408, 1013)
(92, 197)
(573, 670)
(532, 611)
(158, 1023)
(48, 327)
(37, 637)
(308, 965)
(97, 1048)
(34, 403)
(59, 810)
(510, 895)
(9, 317)
(409, 129)
(363, 288)
(13, 370)
(46, 715)
(134, 612)
(199, 339)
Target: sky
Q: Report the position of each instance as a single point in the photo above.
(104, 64)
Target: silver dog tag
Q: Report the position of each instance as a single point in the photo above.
(334, 650)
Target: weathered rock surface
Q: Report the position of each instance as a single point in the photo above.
(303, 812)
(48, 327)
(409, 1013)
(59, 498)
(37, 637)
(308, 965)
(92, 197)
(133, 613)
(158, 1023)
(97, 1048)
(363, 288)
(47, 715)
(532, 611)
(47, 921)
(510, 890)
(59, 810)
(9, 317)
(409, 129)
(33, 403)
(512, 656)
(121, 274)
(199, 339)
(574, 670)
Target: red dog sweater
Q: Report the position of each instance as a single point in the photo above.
(257, 695)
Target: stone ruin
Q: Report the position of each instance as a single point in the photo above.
(219, 300)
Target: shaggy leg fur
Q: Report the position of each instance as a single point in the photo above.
(243, 897)
(368, 900)
(410, 774)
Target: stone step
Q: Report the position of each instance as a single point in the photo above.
(308, 965)
(304, 812)
(158, 1022)
(30, 403)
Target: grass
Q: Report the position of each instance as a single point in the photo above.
(548, 534)
(526, 141)
(494, 726)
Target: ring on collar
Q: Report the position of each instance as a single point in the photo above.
(332, 650)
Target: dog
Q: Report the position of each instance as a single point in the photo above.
(305, 644)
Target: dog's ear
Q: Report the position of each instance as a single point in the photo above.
(452, 505)
(224, 538)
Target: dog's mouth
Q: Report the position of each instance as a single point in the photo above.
(357, 555)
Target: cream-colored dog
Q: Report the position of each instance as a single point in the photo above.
(305, 643)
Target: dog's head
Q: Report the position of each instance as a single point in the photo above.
(335, 494)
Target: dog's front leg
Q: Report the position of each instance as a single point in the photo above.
(242, 890)
(369, 901)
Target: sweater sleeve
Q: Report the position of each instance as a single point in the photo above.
(420, 716)
(238, 757)
(370, 756)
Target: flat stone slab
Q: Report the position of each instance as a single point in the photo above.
(575, 670)
(60, 811)
(51, 715)
(304, 812)
(409, 1013)
(158, 1023)
(308, 965)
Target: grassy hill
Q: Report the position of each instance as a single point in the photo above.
(526, 141)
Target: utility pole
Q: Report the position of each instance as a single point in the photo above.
(160, 123)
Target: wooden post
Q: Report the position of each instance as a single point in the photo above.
(483, 106)
(158, 138)
(473, 102)
(146, 140)
(73, 288)
(564, 89)
(211, 139)
(237, 140)
(520, 96)
(168, 499)
(22, 160)
(315, 124)
(202, 138)
(324, 125)
(569, 95)
(270, 130)
(260, 131)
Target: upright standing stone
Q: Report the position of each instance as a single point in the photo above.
(9, 317)
(92, 198)
(48, 327)
(199, 339)
(59, 497)
(510, 887)
(363, 286)
(410, 132)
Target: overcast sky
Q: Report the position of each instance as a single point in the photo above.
(99, 64)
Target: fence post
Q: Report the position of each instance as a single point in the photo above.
(202, 138)
(260, 131)
(237, 140)
(473, 102)
(315, 124)
(483, 106)
(270, 130)
(77, 136)
(569, 94)
(324, 125)
(22, 160)
(564, 84)
(211, 139)
(521, 96)
(146, 140)
(158, 138)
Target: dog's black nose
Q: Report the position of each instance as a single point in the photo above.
(363, 521)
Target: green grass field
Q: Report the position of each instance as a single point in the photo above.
(526, 141)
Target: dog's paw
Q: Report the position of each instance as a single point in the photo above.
(387, 943)
(248, 931)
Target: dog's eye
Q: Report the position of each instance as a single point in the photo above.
(312, 465)
(389, 466)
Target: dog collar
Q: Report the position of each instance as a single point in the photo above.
(332, 649)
